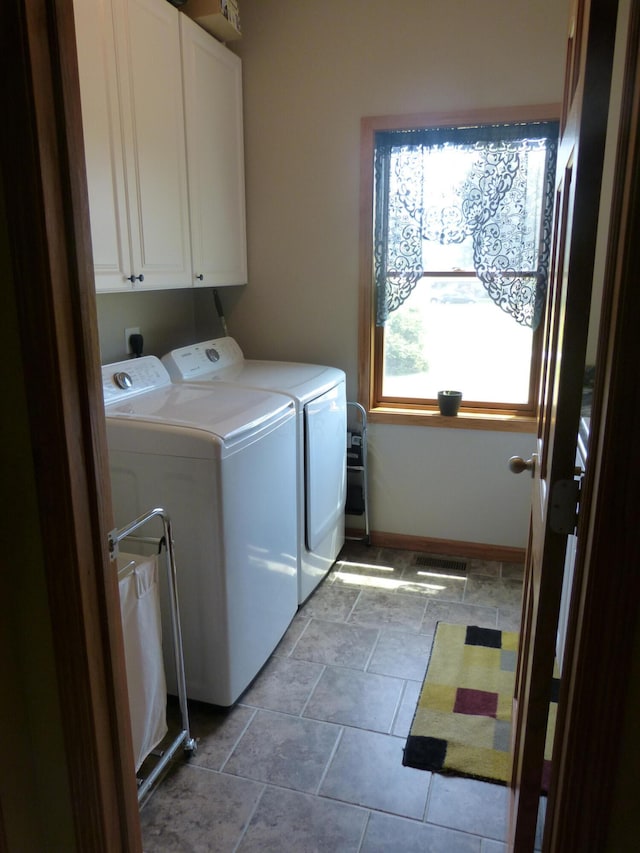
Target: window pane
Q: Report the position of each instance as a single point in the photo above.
(449, 334)
(449, 245)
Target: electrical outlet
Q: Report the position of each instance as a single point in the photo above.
(127, 334)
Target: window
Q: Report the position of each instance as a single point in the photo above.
(456, 237)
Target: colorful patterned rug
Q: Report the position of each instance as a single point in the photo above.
(462, 724)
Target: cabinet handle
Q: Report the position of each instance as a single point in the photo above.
(135, 278)
(200, 277)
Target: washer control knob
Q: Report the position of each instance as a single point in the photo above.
(122, 380)
(212, 354)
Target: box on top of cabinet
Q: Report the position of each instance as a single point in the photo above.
(221, 18)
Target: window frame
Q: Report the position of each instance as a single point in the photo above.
(409, 411)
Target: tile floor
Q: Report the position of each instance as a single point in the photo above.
(310, 758)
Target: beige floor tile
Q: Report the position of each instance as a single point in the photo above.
(387, 610)
(284, 750)
(386, 833)
(509, 618)
(407, 709)
(458, 613)
(360, 699)
(513, 570)
(493, 592)
(469, 806)
(195, 809)
(216, 732)
(336, 644)
(401, 655)
(284, 684)
(291, 821)
(367, 771)
(433, 583)
(292, 635)
(488, 568)
(330, 602)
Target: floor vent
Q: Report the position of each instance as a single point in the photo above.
(438, 563)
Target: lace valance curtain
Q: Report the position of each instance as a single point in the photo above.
(499, 198)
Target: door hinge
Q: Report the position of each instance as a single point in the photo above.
(563, 506)
(112, 541)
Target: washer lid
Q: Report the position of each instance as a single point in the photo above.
(221, 360)
(226, 411)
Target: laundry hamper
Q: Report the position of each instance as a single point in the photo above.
(142, 631)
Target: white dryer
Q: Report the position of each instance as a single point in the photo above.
(320, 398)
(222, 462)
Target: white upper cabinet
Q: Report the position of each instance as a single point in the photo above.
(133, 119)
(103, 148)
(212, 78)
(156, 156)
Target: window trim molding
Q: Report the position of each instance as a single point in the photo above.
(510, 420)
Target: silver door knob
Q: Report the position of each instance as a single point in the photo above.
(517, 464)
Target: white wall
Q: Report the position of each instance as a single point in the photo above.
(165, 319)
(449, 484)
(312, 69)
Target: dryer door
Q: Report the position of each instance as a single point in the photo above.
(325, 430)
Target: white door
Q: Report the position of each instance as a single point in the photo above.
(325, 438)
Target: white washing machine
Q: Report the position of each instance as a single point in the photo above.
(222, 462)
(320, 398)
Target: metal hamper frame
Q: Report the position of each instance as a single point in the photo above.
(360, 469)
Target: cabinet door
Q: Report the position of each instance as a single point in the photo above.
(104, 154)
(150, 89)
(212, 78)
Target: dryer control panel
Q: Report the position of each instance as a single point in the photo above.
(124, 379)
(214, 359)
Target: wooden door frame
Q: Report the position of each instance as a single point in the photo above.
(603, 621)
(45, 199)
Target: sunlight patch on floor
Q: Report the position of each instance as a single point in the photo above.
(440, 575)
(370, 581)
(373, 566)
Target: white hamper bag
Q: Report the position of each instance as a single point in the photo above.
(142, 629)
